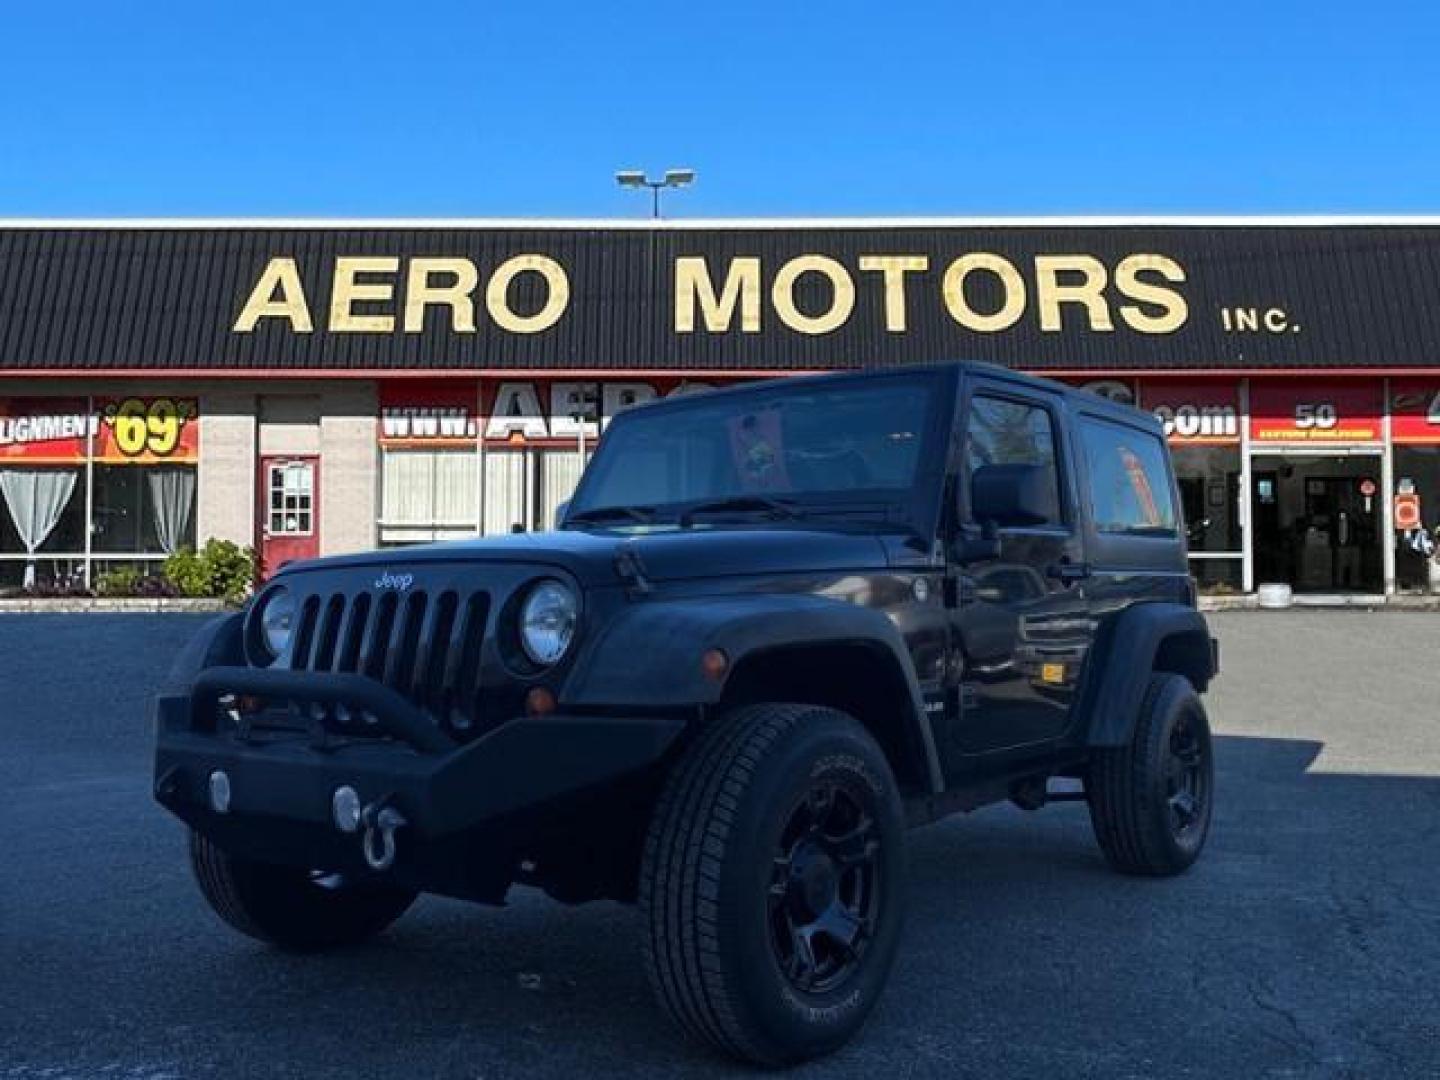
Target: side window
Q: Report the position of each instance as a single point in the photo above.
(1004, 432)
(1129, 480)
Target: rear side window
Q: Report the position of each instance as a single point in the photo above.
(1004, 432)
(1129, 480)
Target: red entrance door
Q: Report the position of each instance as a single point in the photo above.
(289, 511)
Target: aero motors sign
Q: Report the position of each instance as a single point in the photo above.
(981, 291)
(1306, 411)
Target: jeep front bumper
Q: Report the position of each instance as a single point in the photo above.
(455, 798)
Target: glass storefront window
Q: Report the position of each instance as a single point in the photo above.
(428, 495)
(1209, 479)
(506, 491)
(42, 513)
(44, 510)
(1314, 528)
(87, 477)
(143, 509)
(559, 474)
(1417, 569)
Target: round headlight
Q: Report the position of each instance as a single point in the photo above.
(277, 620)
(547, 621)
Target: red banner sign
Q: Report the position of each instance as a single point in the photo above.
(1415, 411)
(45, 431)
(530, 412)
(1306, 411)
(120, 431)
(434, 414)
(1195, 412)
(143, 431)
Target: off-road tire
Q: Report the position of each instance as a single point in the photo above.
(287, 907)
(707, 888)
(1131, 788)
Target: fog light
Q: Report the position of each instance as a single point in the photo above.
(219, 792)
(345, 809)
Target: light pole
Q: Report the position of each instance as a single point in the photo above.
(673, 178)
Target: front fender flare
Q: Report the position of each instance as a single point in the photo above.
(649, 654)
(218, 643)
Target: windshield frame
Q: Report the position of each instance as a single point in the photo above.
(918, 508)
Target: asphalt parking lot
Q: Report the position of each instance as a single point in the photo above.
(1306, 942)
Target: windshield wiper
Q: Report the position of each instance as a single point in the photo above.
(776, 507)
(642, 514)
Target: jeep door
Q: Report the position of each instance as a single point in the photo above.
(1021, 624)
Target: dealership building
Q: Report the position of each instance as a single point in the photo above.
(319, 387)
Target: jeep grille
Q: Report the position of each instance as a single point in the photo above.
(428, 648)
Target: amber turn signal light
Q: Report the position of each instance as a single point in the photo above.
(539, 702)
(713, 664)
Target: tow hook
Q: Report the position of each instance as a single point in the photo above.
(380, 820)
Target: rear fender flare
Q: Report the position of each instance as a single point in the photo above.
(1142, 639)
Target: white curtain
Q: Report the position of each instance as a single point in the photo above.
(429, 494)
(559, 473)
(505, 494)
(172, 495)
(36, 498)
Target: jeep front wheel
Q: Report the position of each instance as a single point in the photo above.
(1150, 801)
(297, 910)
(772, 883)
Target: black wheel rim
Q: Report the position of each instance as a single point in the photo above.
(825, 888)
(1187, 780)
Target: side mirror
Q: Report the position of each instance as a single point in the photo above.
(1013, 496)
(561, 509)
(976, 544)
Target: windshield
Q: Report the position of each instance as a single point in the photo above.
(857, 444)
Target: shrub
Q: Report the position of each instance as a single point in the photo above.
(49, 589)
(131, 581)
(156, 586)
(122, 581)
(220, 569)
(189, 572)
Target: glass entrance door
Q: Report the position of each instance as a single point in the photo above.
(1318, 523)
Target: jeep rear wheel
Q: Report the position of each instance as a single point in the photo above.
(297, 910)
(1150, 801)
(771, 883)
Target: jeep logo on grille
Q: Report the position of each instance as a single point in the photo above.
(398, 582)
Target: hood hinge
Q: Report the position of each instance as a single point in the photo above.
(630, 570)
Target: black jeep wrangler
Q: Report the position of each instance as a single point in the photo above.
(779, 625)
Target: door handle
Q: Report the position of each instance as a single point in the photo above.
(1068, 572)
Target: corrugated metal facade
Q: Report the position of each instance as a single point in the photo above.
(166, 299)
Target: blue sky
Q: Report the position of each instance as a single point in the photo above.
(483, 108)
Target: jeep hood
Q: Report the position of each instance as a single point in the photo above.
(662, 555)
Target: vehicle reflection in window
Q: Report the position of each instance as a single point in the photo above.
(836, 440)
(993, 628)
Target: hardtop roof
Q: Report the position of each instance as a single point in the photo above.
(1078, 397)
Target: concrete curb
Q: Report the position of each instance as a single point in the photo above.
(101, 604)
(1251, 602)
